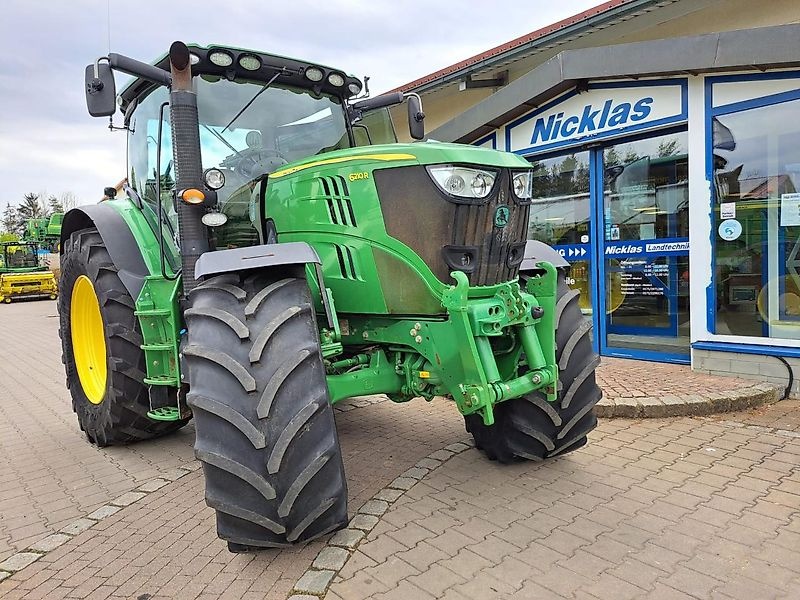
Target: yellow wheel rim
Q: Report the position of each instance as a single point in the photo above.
(88, 340)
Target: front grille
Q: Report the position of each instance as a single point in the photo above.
(451, 236)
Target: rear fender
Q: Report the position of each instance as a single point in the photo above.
(118, 238)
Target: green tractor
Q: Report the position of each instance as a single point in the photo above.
(277, 252)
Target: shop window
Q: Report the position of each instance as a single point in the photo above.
(756, 166)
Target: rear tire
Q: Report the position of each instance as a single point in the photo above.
(265, 430)
(531, 427)
(121, 416)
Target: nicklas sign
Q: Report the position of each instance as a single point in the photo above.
(602, 110)
(590, 120)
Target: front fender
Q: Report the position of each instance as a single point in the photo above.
(536, 252)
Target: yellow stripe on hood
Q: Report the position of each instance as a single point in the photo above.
(341, 159)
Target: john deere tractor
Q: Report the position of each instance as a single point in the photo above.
(277, 252)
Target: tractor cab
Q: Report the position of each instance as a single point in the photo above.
(19, 256)
(257, 112)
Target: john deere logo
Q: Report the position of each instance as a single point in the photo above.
(501, 216)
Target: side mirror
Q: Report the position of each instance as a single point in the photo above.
(101, 92)
(416, 118)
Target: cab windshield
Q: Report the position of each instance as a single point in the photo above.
(246, 130)
(249, 130)
(19, 257)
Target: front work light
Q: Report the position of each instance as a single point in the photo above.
(314, 74)
(463, 182)
(214, 219)
(336, 80)
(250, 63)
(221, 59)
(214, 178)
(192, 196)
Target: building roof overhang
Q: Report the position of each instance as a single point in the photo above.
(747, 49)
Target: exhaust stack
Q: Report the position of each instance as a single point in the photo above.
(187, 161)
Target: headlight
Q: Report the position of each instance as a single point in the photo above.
(464, 182)
(354, 88)
(523, 185)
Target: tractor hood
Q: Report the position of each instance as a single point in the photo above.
(421, 153)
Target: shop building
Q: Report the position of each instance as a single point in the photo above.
(667, 172)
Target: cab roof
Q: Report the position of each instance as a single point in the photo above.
(292, 71)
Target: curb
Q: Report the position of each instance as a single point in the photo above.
(314, 582)
(688, 405)
(18, 561)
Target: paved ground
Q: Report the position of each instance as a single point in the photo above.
(622, 378)
(650, 508)
(683, 508)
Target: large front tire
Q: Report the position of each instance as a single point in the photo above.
(100, 341)
(532, 428)
(265, 430)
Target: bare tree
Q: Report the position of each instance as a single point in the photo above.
(68, 200)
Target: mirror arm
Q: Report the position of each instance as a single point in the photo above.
(118, 62)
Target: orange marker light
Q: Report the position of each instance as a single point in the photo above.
(193, 196)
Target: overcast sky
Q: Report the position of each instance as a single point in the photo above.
(48, 142)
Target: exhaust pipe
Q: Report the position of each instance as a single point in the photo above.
(187, 160)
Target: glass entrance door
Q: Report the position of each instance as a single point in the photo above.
(560, 216)
(643, 240)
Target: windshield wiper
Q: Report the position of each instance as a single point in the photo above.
(221, 138)
(253, 99)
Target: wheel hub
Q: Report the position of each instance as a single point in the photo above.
(88, 340)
